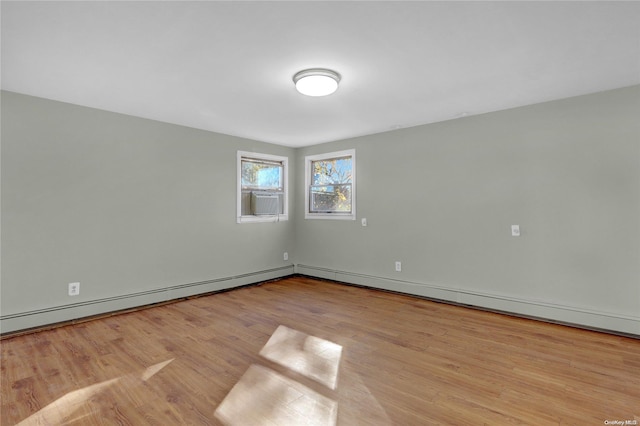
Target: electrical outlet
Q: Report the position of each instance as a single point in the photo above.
(286, 256)
(74, 289)
(398, 266)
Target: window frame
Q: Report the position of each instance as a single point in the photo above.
(308, 160)
(241, 155)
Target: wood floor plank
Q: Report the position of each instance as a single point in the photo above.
(404, 361)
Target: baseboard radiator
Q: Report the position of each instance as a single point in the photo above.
(626, 325)
(17, 322)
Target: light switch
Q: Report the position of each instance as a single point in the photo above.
(364, 221)
(515, 230)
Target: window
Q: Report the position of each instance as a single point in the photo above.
(331, 185)
(262, 187)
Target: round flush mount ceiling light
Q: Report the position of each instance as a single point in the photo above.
(316, 82)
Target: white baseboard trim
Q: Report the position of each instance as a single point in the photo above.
(56, 314)
(569, 315)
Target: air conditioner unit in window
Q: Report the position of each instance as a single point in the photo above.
(265, 203)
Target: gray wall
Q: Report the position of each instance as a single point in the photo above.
(139, 211)
(441, 198)
(135, 210)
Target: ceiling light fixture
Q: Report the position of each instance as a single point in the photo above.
(316, 82)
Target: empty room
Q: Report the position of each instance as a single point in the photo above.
(320, 213)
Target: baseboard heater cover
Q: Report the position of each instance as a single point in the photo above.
(606, 322)
(75, 311)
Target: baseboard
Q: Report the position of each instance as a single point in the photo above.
(58, 314)
(569, 315)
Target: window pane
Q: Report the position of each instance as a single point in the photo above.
(262, 175)
(330, 198)
(335, 170)
(330, 180)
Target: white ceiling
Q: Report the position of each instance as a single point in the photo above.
(227, 66)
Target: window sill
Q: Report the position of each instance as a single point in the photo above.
(330, 216)
(258, 219)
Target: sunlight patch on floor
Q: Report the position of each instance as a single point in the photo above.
(264, 397)
(60, 410)
(311, 356)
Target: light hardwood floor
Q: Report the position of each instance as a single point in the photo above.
(303, 351)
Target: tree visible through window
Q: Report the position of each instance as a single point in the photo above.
(263, 175)
(331, 184)
(262, 187)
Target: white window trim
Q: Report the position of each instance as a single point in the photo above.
(268, 157)
(307, 183)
